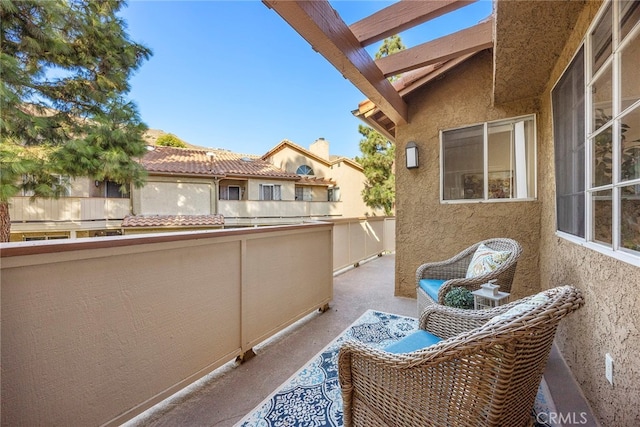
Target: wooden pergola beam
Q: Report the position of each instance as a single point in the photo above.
(319, 24)
(401, 16)
(463, 42)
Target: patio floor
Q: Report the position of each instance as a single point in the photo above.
(231, 392)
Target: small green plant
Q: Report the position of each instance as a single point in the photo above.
(459, 297)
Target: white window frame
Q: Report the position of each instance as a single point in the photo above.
(276, 191)
(614, 250)
(333, 194)
(224, 192)
(518, 172)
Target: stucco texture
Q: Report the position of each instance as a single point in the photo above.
(428, 230)
(432, 231)
(610, 320)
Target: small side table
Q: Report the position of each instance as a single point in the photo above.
(483, 298)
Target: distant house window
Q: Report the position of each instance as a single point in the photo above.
(489, 161)
(29, 182)
(270, 192)
(596, 121)
(304, 170)
(334, 194)
(230, 192)
(114, 191)
(299, 193)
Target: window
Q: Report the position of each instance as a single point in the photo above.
(334, 194)
(55, 183)
(299, 193)
(596, 119)
(489, 161)
(568, 130)
(270, 192)
(114, 190)
(304, 170)
(230, 192)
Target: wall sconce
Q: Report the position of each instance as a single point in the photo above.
(96, 183)
(411, 151)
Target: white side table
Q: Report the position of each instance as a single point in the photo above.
(484, 298)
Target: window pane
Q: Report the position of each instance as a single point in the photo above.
(501, 160)
(267, 192)
(630, 75)
(630, 145)
(568, 133)
(601, 41)
(234, 193)
(630, 217)
(463, 159)
(630, 12)
(602, 105)
(511, 152)
(602, 214)
(114, 190)
(602, 158)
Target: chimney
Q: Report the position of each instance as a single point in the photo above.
(320, 148)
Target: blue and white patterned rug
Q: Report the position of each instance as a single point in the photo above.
(311, 397)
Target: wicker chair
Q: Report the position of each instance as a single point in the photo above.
(480, 374)
(454, 271)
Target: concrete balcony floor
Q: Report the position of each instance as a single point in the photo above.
(224, 397)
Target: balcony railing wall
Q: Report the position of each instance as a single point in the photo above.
(96, 331)
(67, 209)
(356, 239)
(278, 208)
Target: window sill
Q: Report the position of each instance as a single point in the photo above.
(457, 202)
(621, 255)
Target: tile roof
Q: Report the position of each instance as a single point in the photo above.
(213, 162)
(172, 220)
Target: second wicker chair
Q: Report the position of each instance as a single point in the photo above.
(437, 278)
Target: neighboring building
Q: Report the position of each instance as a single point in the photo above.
(556, 87)
(200, 188)
(317, 169)
(90, 209)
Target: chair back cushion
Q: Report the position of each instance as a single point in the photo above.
(485, 260)
(520, 309)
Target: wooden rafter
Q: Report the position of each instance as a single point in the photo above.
(327, 33)
(401, 16)
(454, 45)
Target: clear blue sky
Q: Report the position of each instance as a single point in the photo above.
(234, 75)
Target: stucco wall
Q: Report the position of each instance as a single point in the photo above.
(431, 231)
(610, 320)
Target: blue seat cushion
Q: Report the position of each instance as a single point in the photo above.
(412, 342)
(431, 287)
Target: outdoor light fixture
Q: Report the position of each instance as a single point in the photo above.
(411, 151)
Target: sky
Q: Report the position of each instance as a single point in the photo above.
(234, 75)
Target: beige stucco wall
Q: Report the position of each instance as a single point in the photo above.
(174, 196)
(431, 231)
(610, 320)
(348, 178)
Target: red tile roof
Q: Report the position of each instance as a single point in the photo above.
(172, 220)
(189, 161)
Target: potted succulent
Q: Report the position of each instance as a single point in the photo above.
(459, 297)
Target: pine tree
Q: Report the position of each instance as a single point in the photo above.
(378, 153)
(64, 71)
(377, 163)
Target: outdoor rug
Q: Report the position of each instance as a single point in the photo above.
(311, 397)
